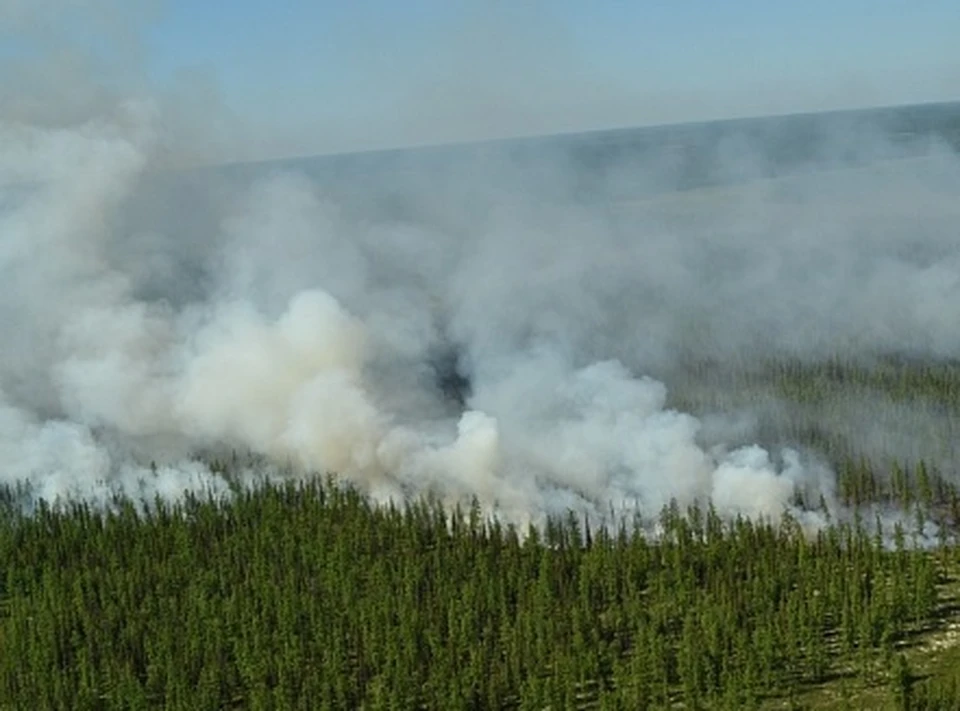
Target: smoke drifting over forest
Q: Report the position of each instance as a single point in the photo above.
(484, 326)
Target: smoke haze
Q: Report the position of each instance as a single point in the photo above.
(487, 326)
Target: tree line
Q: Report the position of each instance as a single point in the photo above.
(309, 596)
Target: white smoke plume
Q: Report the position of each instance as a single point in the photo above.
(152, 317)
(274, 362)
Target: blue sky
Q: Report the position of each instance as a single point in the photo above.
(320, 75)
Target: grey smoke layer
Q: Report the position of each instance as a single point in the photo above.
(150, 317)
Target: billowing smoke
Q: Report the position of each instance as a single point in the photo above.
(485, 332)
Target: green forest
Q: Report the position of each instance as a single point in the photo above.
(307, 595)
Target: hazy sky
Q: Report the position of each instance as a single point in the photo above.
(319, 75)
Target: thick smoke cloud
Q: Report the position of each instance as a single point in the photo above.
(152, 317)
